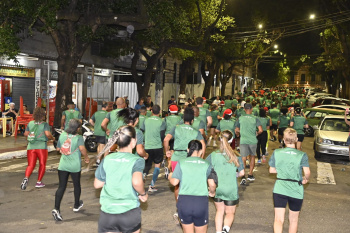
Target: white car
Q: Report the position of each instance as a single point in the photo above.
(313, 98)
(331, 137)
(337, 107)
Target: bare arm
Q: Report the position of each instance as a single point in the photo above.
(137, 183)
(272, 170)
(104, 125)
(203, 147)
(63, 119)
(141, 151)
(84, 153)
(173, 181)
(166, 145)
(47, 134)
(98, 184)
(307, 174)
(260, 129)
(92, 122)
(209, 121)
(26, 133)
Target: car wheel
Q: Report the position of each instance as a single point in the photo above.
(318, 155)
(90, 144)
(309, 132)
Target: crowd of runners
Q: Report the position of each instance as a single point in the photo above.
(131, 142)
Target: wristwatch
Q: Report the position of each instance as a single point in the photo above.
(142, 194)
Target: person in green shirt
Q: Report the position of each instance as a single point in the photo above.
(228, 102)
(194, 175)
(120, 177)
(197, 124)
(246, 128)
(99, 133)
(154, 128)
(298, 122)
(171, 121)
(282, 124)
(205, 105)
(111, 122)
(215, 117)
(69, 114)
(227, 123)
(228, 165)
(204, 114)
(289, 164)
(182, 135)
(222, 108)
(262, 138)
(274, 113)
(71, 145)
(37, 133)
(142, 116)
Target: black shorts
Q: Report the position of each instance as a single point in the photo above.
(300, 137)
(273, 127)
(193, 209)
(100, 139)
(227, 203)
(171, 144)
(155, 155)
(127, 222)
(213, 126)
(281, 130)
(280, 201)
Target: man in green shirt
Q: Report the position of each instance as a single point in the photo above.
(111, 122)
(154, 128)
(198, 124)
(204, 114)
(142, 116)
(274, 113)
(298, 122)
(171, 121)
(69, 114)
(100, 134)
(289, 164)
(246, 127)
(228, 102)
(205, 105)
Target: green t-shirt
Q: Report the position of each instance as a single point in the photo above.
(72, 162)
(149, 113)
(214, 115)
(274, 114)
(71, 114)
(289, 163)
(297, 101)
(268, 102)
(203, 114)
(37, 130)
(227, 125)
(197, 124)
(234, 102)
(284, 121)
(265, 121)
(221, 111)
(304, 101)
(228, 103)
(227, 180)
(142, 118)
(98, 117)
(114, 121)
(182, 135)
(171, 121)
(116, 170)
(299, 122)
(256, 111)
(193, 174)
(152, 127)
(247, 125)
(206, 106)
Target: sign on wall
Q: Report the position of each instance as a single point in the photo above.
(17, 72)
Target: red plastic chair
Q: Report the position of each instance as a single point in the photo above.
(22, 119)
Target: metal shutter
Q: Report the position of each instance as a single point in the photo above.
(24, 87)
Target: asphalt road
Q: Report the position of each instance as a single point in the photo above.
(325, 209)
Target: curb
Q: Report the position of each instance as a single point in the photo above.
(20, 153)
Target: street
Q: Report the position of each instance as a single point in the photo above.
(325, 209)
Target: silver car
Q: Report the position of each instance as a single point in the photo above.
(331, 137)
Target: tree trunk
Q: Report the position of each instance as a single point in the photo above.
(209, 79)
(186, 69)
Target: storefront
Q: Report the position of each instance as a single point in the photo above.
(18, 82)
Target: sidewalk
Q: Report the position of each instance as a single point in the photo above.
(10, 148)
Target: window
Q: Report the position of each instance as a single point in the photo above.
(302, 78)
(292, 78)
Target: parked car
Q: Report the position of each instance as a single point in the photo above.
(312, 98)
(315, 116)
(331, 100)
(331, 137)
(336, 107)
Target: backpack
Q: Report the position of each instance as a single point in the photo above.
(33, 135)
(66, 146)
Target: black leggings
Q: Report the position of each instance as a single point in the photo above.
(63, 179)
(262, 140)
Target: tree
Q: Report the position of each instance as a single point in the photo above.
(72, 25)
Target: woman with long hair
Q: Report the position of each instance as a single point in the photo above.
(120, 177)
(37, 133)
(262, 138)
(228, 165)
(299, 122)
(194, 174)
(71, 145)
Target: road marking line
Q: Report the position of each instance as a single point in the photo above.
(325, 173)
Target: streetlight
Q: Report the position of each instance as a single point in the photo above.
(260, 26)
(275, 46)
(312, 16)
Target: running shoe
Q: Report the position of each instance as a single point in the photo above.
(98, 162)
(251, 178)
(176, 218)
(144, 177)
(24, 184)
(39, 185)
(271, 139)
(209, 141)
(152, 189)
(243, 181)
(56, 215)
(166, 172)
(81, 204)
(264, 159)
(224, 231)
(163, 163)
(259, 161)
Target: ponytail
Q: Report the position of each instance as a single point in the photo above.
(194, 145)
(225, 147)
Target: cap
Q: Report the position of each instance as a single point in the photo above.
(266, 109)
(222, 102)
(227, 112)
(243, 103)
(204, 99)
(173, 109)
(298, 110)
(248, 106)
